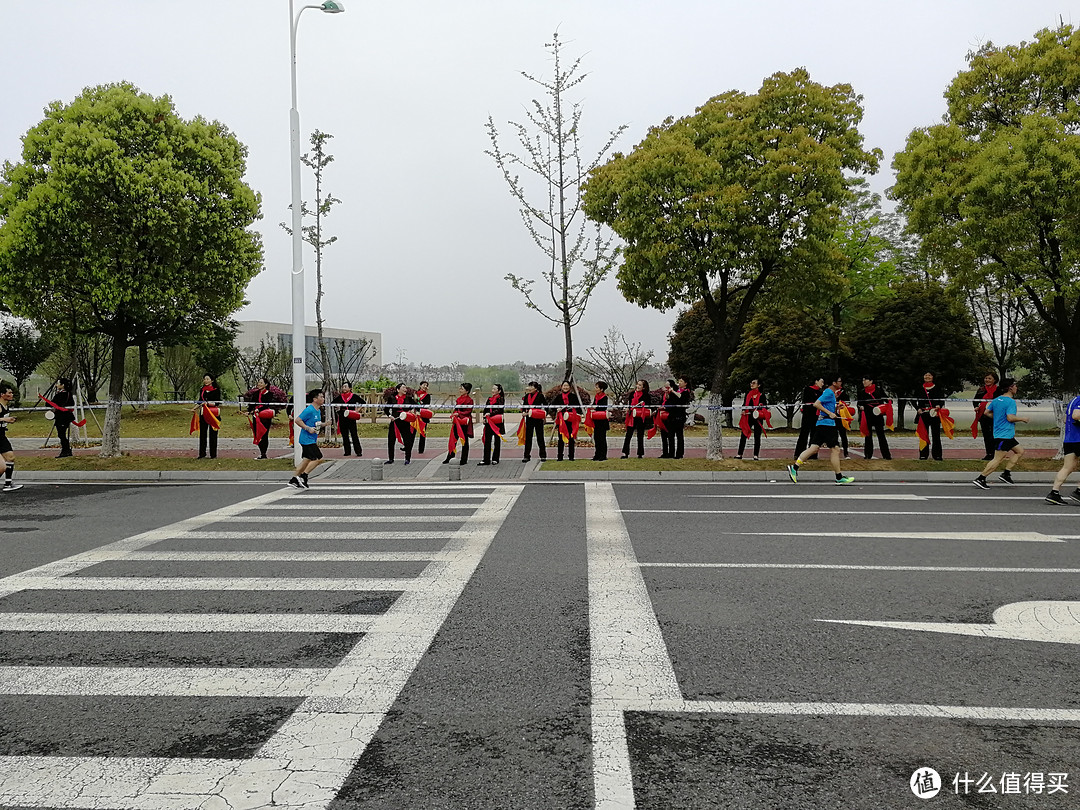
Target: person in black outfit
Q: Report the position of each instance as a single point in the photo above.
(928, 400)
(494, 429)
(534, 425)
(348, 401)
(638, 418)
(664, 414)
(987, 392)
(599, 414)
(261, 398)
(209, 397)
(64, 415)
(678, 416)
(423, 399)
(753, 402)
(809, 414)
(568, 417)
(872, 397)
(399, 429)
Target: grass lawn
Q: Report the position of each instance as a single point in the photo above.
(851, 465)
(90, 461)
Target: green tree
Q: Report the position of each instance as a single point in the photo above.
(724, 204)
(22, 350)
(995, 190)
(126, 220)
(215, 351)
(552, 156)
(920, 328)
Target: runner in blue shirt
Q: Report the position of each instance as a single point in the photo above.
(1071, 449)
(826, 433)
(1003, 409)
(309, 421)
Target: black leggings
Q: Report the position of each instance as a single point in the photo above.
(639, 428)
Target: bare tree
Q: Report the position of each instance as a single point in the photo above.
(178, 365)
(268, 360)
(317, 160)
(552, 154)
(998, 318)
(617, 361)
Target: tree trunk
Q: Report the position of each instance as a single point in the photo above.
(714, 450)
(110, 435)
(144, 375)
(1070, 369)
(569, 373)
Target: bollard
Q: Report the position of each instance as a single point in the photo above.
(376, 469)
(455, 472)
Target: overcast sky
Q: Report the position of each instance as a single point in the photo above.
(426, 227)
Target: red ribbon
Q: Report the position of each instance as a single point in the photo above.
(56, 407)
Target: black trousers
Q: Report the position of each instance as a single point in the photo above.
(639, 428)
(875, 424)
(534, 427)
(350, 436)
(264, 444)
(599, 435)
(491, 453)
(806, 430)
(933, 426)
(986, 427)
(407, 439)
(570, 442)
(667, 444)
(62, 428)
(677, 439)
(207, 438)
(755, 425)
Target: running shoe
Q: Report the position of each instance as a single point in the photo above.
(304, 484)
(793, 473)
(294, 482)
(980, 482)
(845, 479)
(1055, 499)
(1006, 477)
(1076, 495)
(9, 487)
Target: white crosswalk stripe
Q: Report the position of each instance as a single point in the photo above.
(305, 762)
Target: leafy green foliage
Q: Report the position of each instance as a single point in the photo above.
(22, 350)
(995, 190)
(126, 220)
(921, 328)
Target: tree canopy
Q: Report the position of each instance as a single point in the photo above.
(995, 190)
(126, 220)
(720, 205)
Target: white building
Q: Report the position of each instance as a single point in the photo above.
(340, 342)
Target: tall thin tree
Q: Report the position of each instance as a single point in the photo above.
(551, 153)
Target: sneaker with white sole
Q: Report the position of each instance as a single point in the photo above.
(793, 473)
(1006, 477)
(1076, 495)
(980, 482)
(294, 482)
(1055, 499)
(845, 479)
(10, 487)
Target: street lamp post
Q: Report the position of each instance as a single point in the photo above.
(299, 331)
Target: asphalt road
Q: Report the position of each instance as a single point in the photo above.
(541, 645)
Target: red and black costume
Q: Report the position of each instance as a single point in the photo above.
(64, 416)
(810, 395)
(494, 428)
(461, 428)
(423, 399)
(928, 399)
(984, 422)
(568, 420)
(874, 408)
(263, 405)
(350, 436)
(638, 420)
(399, 431)
(534, 415)
(597, 418)
(664, 417)
(209, 404)
(755, 415)
(677, 418)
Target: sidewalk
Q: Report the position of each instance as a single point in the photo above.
(370, 467)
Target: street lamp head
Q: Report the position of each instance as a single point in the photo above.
(332, 7)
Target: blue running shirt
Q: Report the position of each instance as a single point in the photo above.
(1072, 429)
(828, 401)
(1002, 407)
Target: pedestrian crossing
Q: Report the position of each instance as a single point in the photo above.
(330, 712)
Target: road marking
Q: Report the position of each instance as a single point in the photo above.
(364, 495)
(760, 513)
(845, 496)
(960, 569)
(282, 556)
(429, 470)
(354, 519)
(629, 658)
(32, 583)
(1055, 622)
(1004, 537)
(823, 709)
(301, 535)
(305, 762)
(479, 488)
(365, 506)
(188, 623)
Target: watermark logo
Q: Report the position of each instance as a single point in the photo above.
(925, 783)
